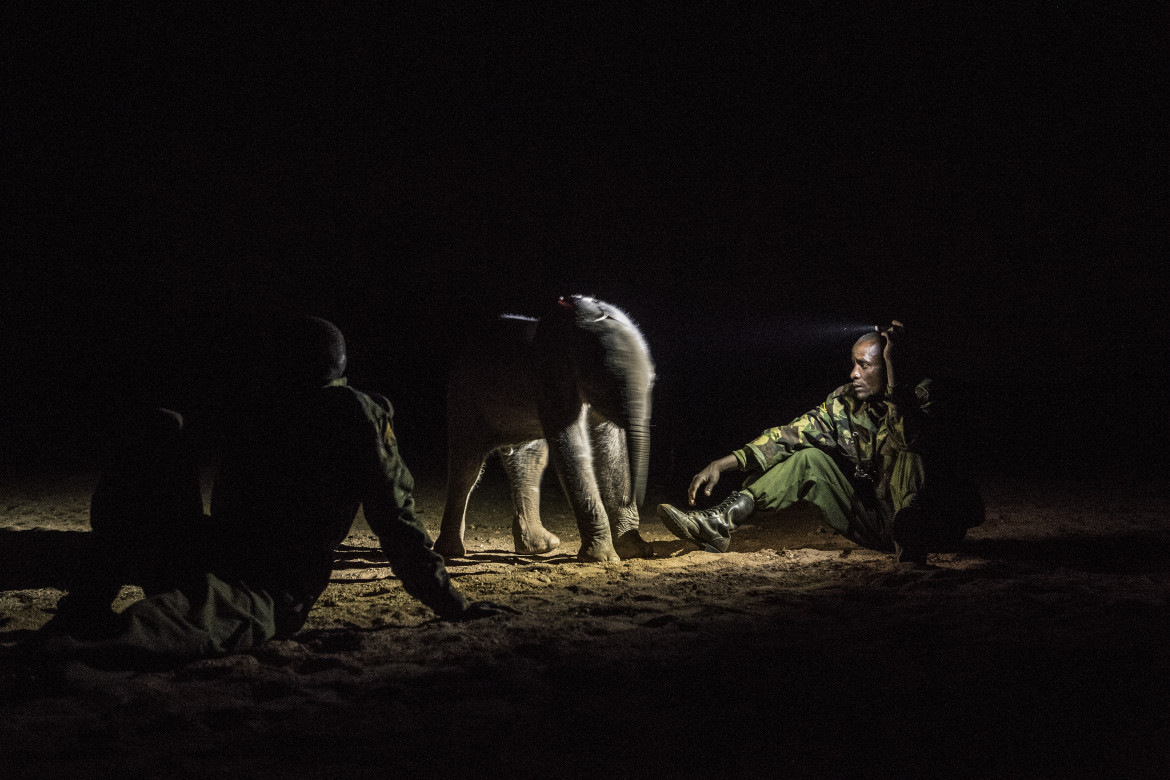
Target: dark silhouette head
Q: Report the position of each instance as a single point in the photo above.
(307, 352)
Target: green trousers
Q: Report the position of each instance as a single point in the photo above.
(202, 619)
(149, 529)
(852, 508)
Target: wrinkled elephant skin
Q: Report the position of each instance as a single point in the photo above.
(573, 388)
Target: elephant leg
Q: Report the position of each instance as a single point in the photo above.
(524, 465)
(464, 466)
(572, 457)
(611, 467)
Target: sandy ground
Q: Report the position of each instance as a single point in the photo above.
(1037, 650)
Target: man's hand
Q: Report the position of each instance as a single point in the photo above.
(485, 609)
(709, 476)
(890, 338)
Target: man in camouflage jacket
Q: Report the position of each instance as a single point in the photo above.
(858, 457)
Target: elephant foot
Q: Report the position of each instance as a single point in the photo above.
(535, 542)
(631, 545)
(449, 546)
(597, 551)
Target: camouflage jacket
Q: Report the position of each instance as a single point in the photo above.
(866, 435)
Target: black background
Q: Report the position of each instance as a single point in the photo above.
(750, 182)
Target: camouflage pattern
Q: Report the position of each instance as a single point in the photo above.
(874, 442)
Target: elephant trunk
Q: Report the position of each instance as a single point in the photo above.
(638, 447)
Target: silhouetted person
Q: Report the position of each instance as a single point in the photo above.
(859, 458)
(308, 451)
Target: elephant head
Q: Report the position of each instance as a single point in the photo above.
(602, 355)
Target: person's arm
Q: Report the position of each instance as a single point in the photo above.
(906, 404)
(709, 476)
(773, 446)
(816, 428)
(408, 549)
(389, 510)
(890, 353)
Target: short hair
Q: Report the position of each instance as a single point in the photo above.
(870, 335)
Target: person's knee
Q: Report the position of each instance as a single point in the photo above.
(810, 455)
(812, 462)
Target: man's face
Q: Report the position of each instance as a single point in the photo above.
(869, 369)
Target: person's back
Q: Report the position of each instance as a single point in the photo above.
(290, 484)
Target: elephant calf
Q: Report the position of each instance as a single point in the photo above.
(574, 385)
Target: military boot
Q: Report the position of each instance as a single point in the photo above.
(709, 528)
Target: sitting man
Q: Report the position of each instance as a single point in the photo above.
(858, 457)
(306, 453)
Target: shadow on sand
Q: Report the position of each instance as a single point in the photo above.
(1127, 553)
(39, 558)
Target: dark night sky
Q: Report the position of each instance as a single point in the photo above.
(996, 178)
